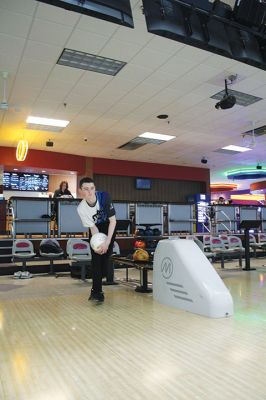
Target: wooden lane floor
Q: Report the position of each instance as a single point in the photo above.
(54, 344)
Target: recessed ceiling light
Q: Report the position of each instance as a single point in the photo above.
(43, 172)
(47, 121)
(15, 169)
(158, 136)
(231, 147)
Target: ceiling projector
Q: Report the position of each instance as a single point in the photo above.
(228, 100)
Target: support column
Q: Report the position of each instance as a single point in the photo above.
(2, 203)
(1, 179)
(88, 172)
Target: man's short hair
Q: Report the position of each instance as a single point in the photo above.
(86, 179)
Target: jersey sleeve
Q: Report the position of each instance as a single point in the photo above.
(110, 210)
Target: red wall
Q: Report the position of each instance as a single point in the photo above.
(150, 170)
(43, 159)
(68, 162)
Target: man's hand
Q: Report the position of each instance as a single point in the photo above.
(104, 247)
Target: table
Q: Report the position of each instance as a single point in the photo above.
(142, 266)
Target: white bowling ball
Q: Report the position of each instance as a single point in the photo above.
(97, 240)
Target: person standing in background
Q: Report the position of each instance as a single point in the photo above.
(97, 212)
(63, 191)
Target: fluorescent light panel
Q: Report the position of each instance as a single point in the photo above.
(158, 136)
(47, 121)
(232, 147)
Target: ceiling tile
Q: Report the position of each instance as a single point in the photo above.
(24, 7)
(42, 51)
(20, 26)
(57, 14)
(85, 41)
(49, 32)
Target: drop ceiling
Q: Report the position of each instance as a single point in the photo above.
(161, 76)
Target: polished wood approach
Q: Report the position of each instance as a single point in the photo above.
(57, 345)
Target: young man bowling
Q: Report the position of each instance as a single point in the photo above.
(97, 212)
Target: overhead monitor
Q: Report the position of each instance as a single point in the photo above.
(143, 183)
(117, 11)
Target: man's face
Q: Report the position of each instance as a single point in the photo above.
(88, 191)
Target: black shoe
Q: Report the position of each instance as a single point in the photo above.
(97, 296)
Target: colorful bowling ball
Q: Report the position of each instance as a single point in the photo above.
(141, 255)
(140, 244)
(97, 240)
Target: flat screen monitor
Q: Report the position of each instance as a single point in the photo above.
(117, 11)
(25, 182)
(143, 183)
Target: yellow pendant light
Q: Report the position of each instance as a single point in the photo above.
(22, 150)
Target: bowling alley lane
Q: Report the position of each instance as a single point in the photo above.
(55, 344)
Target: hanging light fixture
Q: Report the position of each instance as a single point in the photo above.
(22, 150)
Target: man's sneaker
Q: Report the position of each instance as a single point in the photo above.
(97, 296)
(17, 275)
(25, 275)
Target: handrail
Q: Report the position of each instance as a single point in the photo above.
(226, 216)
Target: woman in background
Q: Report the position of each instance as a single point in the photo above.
(63, 191)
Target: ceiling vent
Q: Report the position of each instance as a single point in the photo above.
(130, 146)
(257, 131)
(139, 142)
(242, 99)
(90, 62)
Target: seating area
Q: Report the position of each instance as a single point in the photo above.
(77, 250)
(77, 255)
(228, 246)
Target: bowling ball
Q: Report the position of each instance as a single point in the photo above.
(97, 240)
(156, 232)
(148, 232)
(139, 232)
(151, 244)
(141, 255)
(140, 244)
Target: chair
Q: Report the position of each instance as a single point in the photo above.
(208, 254)
(50, 250)
(206, 241)
(217, 246)
(235, 243)
(254, 245)
(116, 249)
(224, 238)
(262, 238)
(253, 242)
(22, 251)
(79, 252)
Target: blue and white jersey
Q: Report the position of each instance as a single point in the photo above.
(97, 214)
